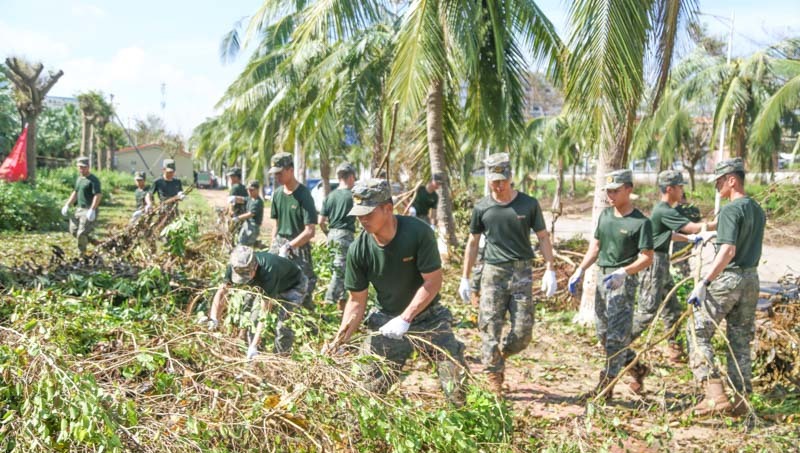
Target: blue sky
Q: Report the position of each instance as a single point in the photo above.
(131, 48)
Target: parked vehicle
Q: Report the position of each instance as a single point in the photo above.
(318, 191)
(205, 180)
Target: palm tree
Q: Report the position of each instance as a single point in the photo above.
(30, 89)
(96, 113)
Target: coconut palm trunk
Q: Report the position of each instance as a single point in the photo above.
(435, 111)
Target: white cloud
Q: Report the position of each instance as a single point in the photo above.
(30, 44)
(87, 10)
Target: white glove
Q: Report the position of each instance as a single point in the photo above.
(698, 294)
(615, 279)
(395, 328)
(235, 219)
(433, 227)
(91, 214)
(549, 283)
(574, 280)
(252, 351)
(232, 199)
(412, 211)
(65, 210)
(463, 289)
(181, 195)
(137, 214)
(285, 250)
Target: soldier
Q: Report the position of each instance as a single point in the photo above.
(336, 213)
(506, 218)
(144, 202)
(295, 220)
(728, 291)
(252, 217)
(237, 197)
(656, 281)
(277, 277)
(425, 201)
(168, 186)
(398, 255)
(87, 194)
(623, 241)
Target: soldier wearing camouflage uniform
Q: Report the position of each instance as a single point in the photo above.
(295, 220)
(87, 196)
(142, 196)
(237, 197)
(277, 278)
(506, 218)
(167, 186)
(399, 257)
(656, 280)
(253, 216)
(622, 246)
(425, 201)
(336, 213)
(728, 291)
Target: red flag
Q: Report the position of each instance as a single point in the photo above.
(15, 167)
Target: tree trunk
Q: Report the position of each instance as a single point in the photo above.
(572, 188)
(90, 143)
(556, 208)
(84, 135)
(30, 151)
(377, 144)
(110, 147)
(691, 177)
(325, 173)
(299, 162)
(435, 109)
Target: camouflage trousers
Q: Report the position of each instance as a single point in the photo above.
(301, 257)
(439, 345)
(285, 304)
(656, 283)
(505, 288)
(80, 227)
(339, 241)
(732, 296)
(683, 267)
(614, 319)
(248, 234)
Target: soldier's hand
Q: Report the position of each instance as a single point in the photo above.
(698, 294)
(252, 352)
(463, 289)
(285, 251)
(615, 279)
(91, 214)
(412, 211)
(65, 210)
(395, 328)
(574, 280)
(232, 199)
(549, 283)
(181, 195)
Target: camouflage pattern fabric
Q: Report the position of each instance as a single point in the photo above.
(80, 228)
(614, 312)
(339, 241)
(732, 296)
(656, 283)
(301, 257)
(505, 288)
(684, 268)
(248, 234)
(286, 303)
(434, 325)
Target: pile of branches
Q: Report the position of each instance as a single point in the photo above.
(777, 341)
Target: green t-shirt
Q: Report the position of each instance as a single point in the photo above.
(622, 238)
(336, 206)
(665, 219)
(141, 195)
(293, 211)
(87, 188)
(274, 275)
(424, 201)
(507, 227)
(256, 207)
(396, 269)
(240, 191)
(741, 223)
(166, 189)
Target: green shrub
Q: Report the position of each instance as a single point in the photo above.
(24, 208)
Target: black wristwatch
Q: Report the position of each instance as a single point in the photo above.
(706, 282)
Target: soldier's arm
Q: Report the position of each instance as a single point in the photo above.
(72, 197)
(724, 256)
(96, 200)
(219, 303)
(431, 284)
(470, 254)
(246, 216)
(352, 316)
(304, 237)
(643, 260)
(591, 254)
(323, 223)
(432, 216)
(694, 227)
(274, 229)
(148, 199)
(546, 248)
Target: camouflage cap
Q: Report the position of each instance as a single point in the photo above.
(345, 168)
(670, 178)
(234, 171)
(82, 161)
(168, 164)
(280, 161)
(139, 176)
(499, 167)
(617, 179)
(254, 184)
(728, 166)
(367, 195)
(242, 264)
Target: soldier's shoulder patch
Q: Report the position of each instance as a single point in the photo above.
(408, 259)
(520, 217)
(623, 231)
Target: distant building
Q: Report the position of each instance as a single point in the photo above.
(59, 102)
(129, 161)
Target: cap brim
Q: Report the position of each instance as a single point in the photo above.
(497, 177)
(613, 185)
(138, 178)
(169, 169)
(361, 210)
(274, 170)
(83, 165)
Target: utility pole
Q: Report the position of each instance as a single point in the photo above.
(721, 151)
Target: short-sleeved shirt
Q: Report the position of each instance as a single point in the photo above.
(166, 189)
(86, 188)
(665, 219)
(396, 269)
(274, 275)
(336, 207)
(141, 197)
(293, 211)
(424, 201)
(240, 191)
(507, 227)
(741, 223)
(622, 238)
(255, 206)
